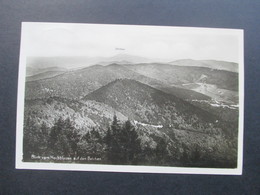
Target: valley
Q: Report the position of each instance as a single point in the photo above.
(176, 115)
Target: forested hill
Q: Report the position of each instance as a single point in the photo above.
(147, 104)
(78, 83)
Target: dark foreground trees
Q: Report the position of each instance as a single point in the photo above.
(120, 144)
(34, 139)
(60, 140)
(63, 139)
(123, 145)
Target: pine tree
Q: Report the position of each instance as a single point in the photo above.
(132, 143)
(108, 139)
(30, 139)
(72, 137)
(115, 126)
(161, 151)
(113, 143)
(54, 135)
(63, 138)
(43, 138)
(123, 144)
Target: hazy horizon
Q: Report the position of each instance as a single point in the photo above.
(162, 43)
(75, 62)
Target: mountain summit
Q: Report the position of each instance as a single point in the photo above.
(146, 104)
(213, 64)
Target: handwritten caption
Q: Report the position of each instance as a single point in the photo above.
(63, 158)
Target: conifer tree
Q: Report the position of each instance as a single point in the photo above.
(63, 138)
(30, 139)
(161, 151)
(123, 144)
(132, 143)
(43, 138)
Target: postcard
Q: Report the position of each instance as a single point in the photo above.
(130, 98)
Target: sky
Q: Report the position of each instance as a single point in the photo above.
(152, 42)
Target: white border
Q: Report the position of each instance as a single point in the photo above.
(19, 164)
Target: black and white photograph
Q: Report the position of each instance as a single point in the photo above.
(130, 98)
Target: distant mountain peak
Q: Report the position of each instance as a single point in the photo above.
(213, 64)
(144, 103)
(128, 58)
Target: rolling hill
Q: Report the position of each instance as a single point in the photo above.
(85, 114)
(78, 83)
(217, 84)
(192, 136)
(178, 75)
(146, 104)
(212, 64)
(44, 75)
(185, 128)
(72, 62)
(184, 113)
(35, 70)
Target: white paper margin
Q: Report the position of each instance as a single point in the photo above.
(19, 164)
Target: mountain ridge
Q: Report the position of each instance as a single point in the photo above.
(77, 83)
(213, 64)
(145, 103)
(84, 61)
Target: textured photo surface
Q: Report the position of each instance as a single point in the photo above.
(130, 98)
